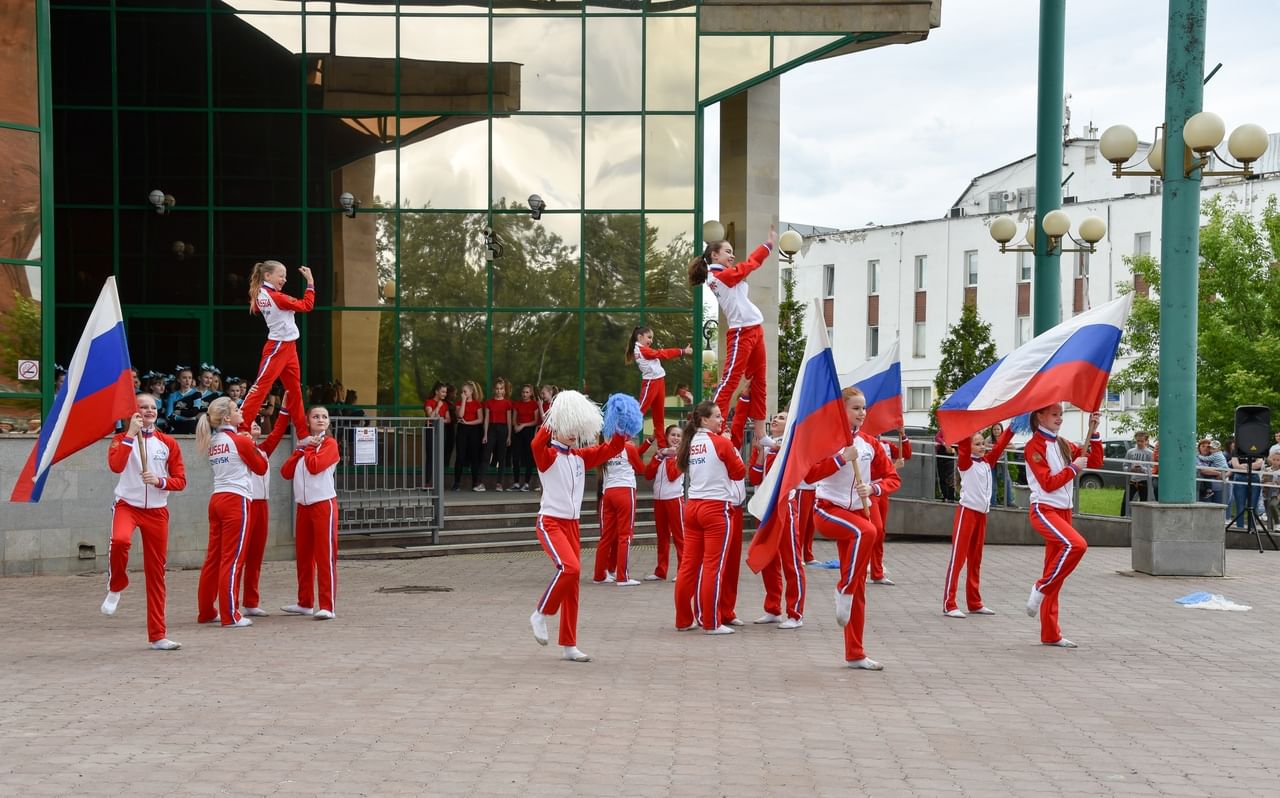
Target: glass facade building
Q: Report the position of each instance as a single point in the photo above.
(440, 119)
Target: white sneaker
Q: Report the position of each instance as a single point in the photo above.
(720, 630)
(478, 488)
(791, 623)
(256, 612)
(524, 488)
(688, 628)
(608, 580)
(736, 622)
(1034, 601)
(297, 609)
(240, 624)
(1063, 643)
(652, 578)
(866, 664)
(768, 617)
(110, 603)
(983, 611)
(884, 580)
(956, 613)
(499, 487)
(165, 644)
(844, 607)
(539, 623)
(572, 654)
(628, 583)
(325, 615)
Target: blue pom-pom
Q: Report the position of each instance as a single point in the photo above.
(622, 414)
(1021, 424)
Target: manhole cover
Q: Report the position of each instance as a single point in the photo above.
(416, 589)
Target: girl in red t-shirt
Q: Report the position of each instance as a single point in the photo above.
(526, 415)
(439, 405)
(499, 411)
(468, 441)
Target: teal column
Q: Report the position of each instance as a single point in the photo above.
(1047, 283)
(1179, 255)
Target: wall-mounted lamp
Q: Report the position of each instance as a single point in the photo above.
(536, 206)
(162, 202)
(1201, 134)
(713, 231)
(182, 250)
(492, 246)
(389, 290)
(349, 204)
(789, 244)
(709, 329)
(1057, 225)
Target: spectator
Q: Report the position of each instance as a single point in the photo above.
(1244, 484)
(1139, 461)
(1276, 448)
(1271, 490)
(946, 467)
(1211, 469)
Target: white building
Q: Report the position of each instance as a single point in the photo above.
(909, 281)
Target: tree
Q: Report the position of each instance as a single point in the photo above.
(1238, 353)
(966, 351)
(791, 338)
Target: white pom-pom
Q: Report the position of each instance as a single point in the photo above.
(573, 414)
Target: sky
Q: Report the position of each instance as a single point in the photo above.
(895, 134)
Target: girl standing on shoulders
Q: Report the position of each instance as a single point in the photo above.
(467, 442)
(280, 354)
(311, 468)
(668, 502)
(653, 388)
(977, 464)
(1052, 465)
(233, 459)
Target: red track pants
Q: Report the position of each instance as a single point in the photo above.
(968, 534)
(1063, 549)
(618, 527)
(154, 526)
(255, 548)
(880, 511)
(224, 559)
(744, 356)
(786, 564)
(560, 539)
(732, 566)
(316, 546)
(706, 549)
(855, 536)
(669, 521)
(279, 361)
(807, 497)
(653, 399)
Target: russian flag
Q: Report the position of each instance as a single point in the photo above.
(817, 427)
(1072, 363)
(97, 392)
(880, 380)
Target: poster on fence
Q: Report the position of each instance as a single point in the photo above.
(366, 445)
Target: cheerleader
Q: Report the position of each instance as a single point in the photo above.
(1052, 465)
(280, 354)
(180, 406)
(846, 481)
(259, 517)
(788, 562)
(713, 466)
(311, 468)
(496, 434)
(468, 445)
(527, 415)
(744, 341)
(618, 516)
(562, 471)
(233, 458)
(668, 502)
(149, 463)
(969, 532)
(653, 387)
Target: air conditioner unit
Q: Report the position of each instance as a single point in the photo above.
(1011, 196)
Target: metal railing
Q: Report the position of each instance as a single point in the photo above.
(389, 479)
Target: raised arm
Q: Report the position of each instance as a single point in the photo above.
(593, 456)
(998, 447)
(732, 275)
(543, 457)
(286, 302)
(660, 354)
(249, 453)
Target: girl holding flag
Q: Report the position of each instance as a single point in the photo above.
(788, 562)
(976, 464)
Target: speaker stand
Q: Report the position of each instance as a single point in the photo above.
(1252, 523)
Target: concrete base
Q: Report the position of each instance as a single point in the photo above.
(1178, 539)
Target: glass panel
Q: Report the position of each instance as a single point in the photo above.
(159, 344)
(237, 344)
(85, 247)
(160, 59)
(462, 39)
(613, 161)
(726, 61)
(438, 7)
(611, 259)
(668, 169)
(538, 263)
(20, 207)
(605, 370)
(82, 151)
(354, 154)
(437, 346)
(790, 48)
(441, 258)
(669, 61)
(364, 37)
(165, 151)
(351, 350)
(614, 6)
(20, 415)
(542, 6)
(549, 50)
(254, 61)
(241, 240)
(538, 155)
(670, 6)
(448, 169)
(163, 259)
(614, 64)
(353, 265)
(256, 159)
(668, 248)
(18, 64)
(19, 328)
(536, 348)
(81, 57)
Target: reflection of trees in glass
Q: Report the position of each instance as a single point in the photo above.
(19, 340)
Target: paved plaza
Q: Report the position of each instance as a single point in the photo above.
(446, 693)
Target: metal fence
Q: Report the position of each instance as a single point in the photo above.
(389, 479)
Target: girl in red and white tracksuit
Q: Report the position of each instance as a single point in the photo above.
(141, 501)
(618, 516)
(562, 470)
(880, 510)
(311, 468)
(744, 341)
(653, 388)
(713, 466)
(233, 458)
(280, 355)
(846, 481)
(1052, 466)
(668, 502)
(259, 518)
(969, 531)
(788, 563)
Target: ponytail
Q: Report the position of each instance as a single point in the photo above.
(636, 332)
(218, 411)
(260, 271)
(691, 425)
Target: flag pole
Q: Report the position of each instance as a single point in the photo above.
(857, 480)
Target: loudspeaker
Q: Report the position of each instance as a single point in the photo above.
(1253, 430)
